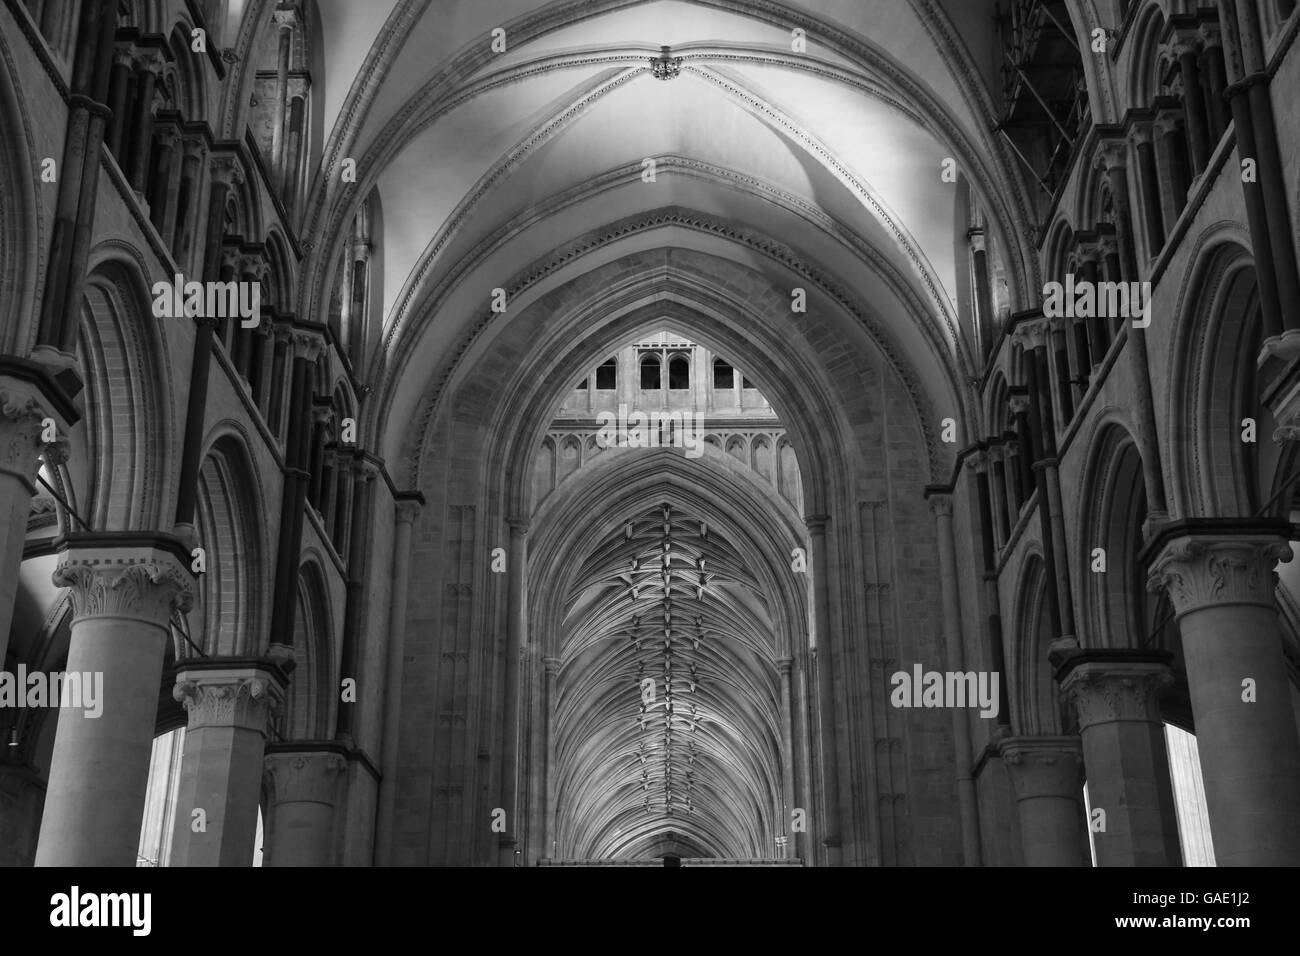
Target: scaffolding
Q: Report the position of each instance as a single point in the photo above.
(1044, 91)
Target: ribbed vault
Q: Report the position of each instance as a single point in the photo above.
(668, 720)
(671, 604)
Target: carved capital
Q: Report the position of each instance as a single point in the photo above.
(21, 418)
(1105, 692)
(1034, 334)
(1185, 43)
(1044, 766)
(1019, 404)
(978, 462)
(1142, 134)
(1214, 570)
(225, 169)
(286, 16)
(307, 345)
(1112, 154)
(941, 506)
(236, 698)
(363, 469)
(406, 510)
(304, 777)
(816, 524)
(144, 583)
(1168, 121)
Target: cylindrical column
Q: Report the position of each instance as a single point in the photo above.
(1272, 184)
(968, 812)
(1098, 334)
(1187, 49)
(405, 511)
(996, 653)
(1221, 584)
(23, 410)
(1047, 778)
(285, 18)
(785, 670)
(1144, 416)
(1149, 187)
(1172, 146)
(141, 132)
(123, 597)
(119, 85)
(830, 824)
(516, 625)
(1001, 515)
(160, 183)
(225, 171)
(1115, 695)
(1216, 80)
(305, 787)
(229, 709)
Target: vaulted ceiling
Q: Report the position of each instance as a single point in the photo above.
(802, 143)
(487, 161)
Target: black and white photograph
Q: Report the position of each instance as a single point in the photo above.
(448, 435)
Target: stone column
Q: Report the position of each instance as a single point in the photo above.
(229, 708)
(826, 718)
(1033, 336)
(160, 192)
(406, 510)
(1216, 81)
(1115, 159)
(1149, 188)
(968, 811)
(1098, 332)
(305, 787)
(225, 173)
(1115, 694)
(141, 131)
(124, 589)
(28, 397)
(119, 85)
(22, 795)
(785, 670)
(1002, 520)
(286, 18)
(516, 625)
(1186, 49)
(1220, 581)
(1047, 778)
(1171, 148)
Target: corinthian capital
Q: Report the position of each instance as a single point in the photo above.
(244, 698)
(141, 582)
(1107, 691)
(1208, 570)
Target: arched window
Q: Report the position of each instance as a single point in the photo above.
(679, 373)
(607, 376)
(724, 376)
(650, 377)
